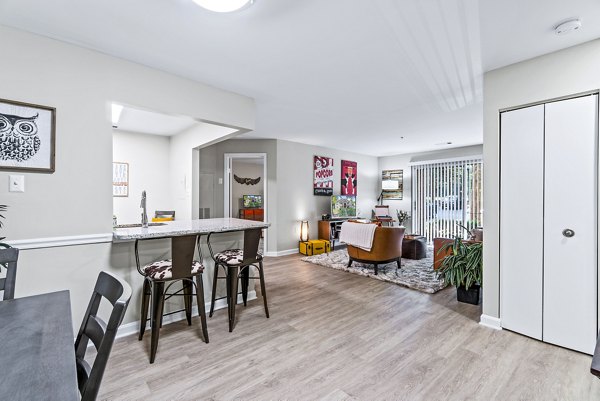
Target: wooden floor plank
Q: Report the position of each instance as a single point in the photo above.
(333, 335)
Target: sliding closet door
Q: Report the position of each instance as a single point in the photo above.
(570, 246)
(522, 219)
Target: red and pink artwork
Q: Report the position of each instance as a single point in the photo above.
(323, 176)
(349, 174)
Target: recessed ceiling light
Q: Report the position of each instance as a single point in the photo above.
(223, 6)
(567, 27)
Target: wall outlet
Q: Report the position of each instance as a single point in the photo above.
(220, 181)
(16, 183)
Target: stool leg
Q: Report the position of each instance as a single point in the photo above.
(233, 281)
(187, 300)
(245, 283)
(213, 296)
(201, 306)
(263, 289)
(157, 309)
(144, 312)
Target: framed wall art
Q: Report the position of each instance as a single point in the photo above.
(120, 179)
(27, 137)
(391, 184)
(349, 174)
(323, 176)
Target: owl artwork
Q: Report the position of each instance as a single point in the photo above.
(18, 137)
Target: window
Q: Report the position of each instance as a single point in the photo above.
(445, 195)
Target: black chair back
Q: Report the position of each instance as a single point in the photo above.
(8, 259)
(182, 250)
(165, 213)
(251, 243)
(118, 293)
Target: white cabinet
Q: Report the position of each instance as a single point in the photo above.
(548, 220)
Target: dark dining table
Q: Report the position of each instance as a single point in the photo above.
(37, 354)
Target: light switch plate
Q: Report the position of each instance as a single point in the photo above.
(16, 183)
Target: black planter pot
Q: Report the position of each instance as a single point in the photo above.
(470, 296)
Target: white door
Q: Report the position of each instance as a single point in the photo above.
(570, 257)
(522, 220)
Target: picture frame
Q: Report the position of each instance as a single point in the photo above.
(322, 176)
(392, 186)
(120, 179)
(27, 137)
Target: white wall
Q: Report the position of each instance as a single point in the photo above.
(148, 158)
(245, 170)
(562, 73)
(184, 165)
(402, 162)
(295, 188)
(77, 199)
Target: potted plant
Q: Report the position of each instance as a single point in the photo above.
(463, 268)
(402, 217)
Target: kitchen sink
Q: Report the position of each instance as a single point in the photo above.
(139, 225)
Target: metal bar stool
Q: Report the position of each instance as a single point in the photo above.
(236, 264)
(182, 268)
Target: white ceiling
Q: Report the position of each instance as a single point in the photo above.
(354, 75)
(150, 122)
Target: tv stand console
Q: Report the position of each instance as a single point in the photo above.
(330, 230)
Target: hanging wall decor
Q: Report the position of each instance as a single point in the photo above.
(27, 137)
(120, 179)
(349, 174)
(323, 176)
(246, 181)
(391, 184)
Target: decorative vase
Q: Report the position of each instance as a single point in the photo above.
(470, 296)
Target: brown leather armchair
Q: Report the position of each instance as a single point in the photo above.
(387, 247)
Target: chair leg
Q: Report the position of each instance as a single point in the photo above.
(201, 307)
(213, 296)
(187, 300)
(399, 263)
(263, 288)
(144, 312)
(349, 262)
(158, 302)
(376, 268)
(245, 273)
(233, 281)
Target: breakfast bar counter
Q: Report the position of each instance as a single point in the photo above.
(185, 227)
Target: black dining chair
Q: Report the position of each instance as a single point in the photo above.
(118, 293)
(8, 259)
(181, 268)
(236, 264)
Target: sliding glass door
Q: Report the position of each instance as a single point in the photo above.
(446, 196)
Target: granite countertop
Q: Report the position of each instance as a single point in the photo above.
(186, 227)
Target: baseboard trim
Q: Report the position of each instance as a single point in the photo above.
(282, 253)
(491, 322)
(134, 327)
(52, 242)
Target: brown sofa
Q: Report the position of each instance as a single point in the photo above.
(387, 247)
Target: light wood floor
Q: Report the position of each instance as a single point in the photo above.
(338, 336)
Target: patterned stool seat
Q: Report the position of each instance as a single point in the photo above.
(233, 256)
(162, 269)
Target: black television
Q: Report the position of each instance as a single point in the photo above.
(343, 206)
(251, 201)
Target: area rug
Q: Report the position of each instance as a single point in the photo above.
(415, 274)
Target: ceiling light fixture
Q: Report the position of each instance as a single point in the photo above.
(223, 6)
(567, 27)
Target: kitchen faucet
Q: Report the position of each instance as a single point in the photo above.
(144, 214)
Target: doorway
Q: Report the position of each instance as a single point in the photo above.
(245, 186)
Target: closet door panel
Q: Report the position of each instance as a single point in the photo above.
(521, 220)
(570, 262)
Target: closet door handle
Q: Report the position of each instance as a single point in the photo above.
(567, 232)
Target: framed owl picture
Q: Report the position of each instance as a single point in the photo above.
(27, 137)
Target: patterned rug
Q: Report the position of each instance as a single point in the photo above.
(415, 274)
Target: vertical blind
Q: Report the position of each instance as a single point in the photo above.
(445, 195)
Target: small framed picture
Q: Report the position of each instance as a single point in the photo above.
(120, 179)
(27, 137)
